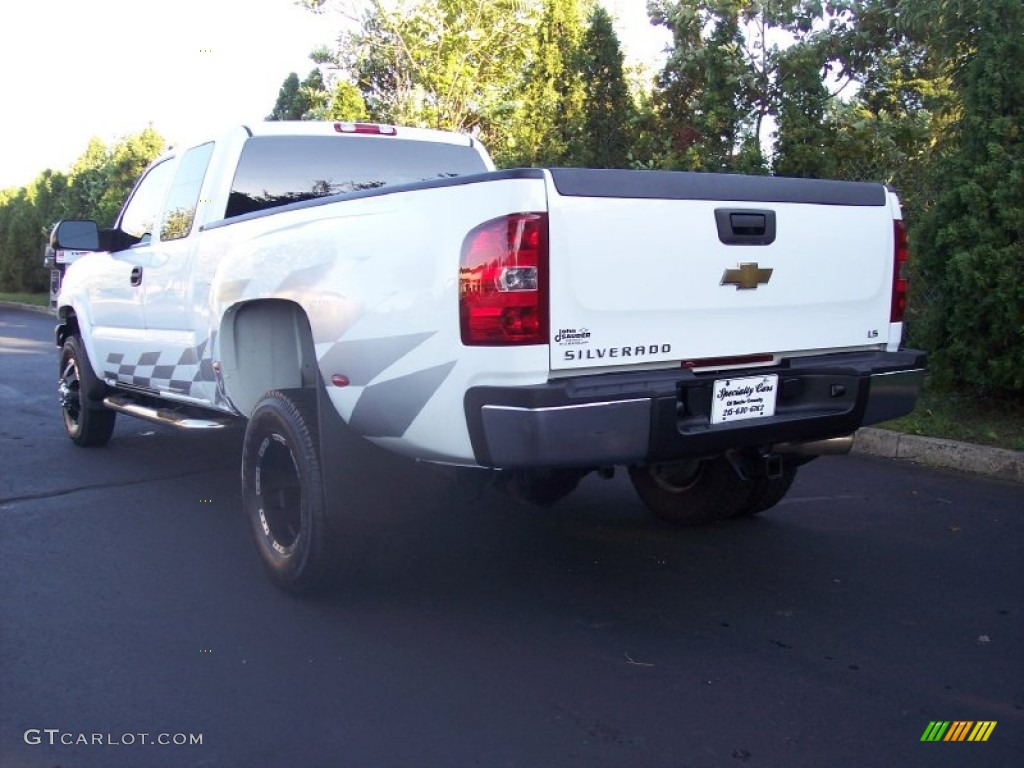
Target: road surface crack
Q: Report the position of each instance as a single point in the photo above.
(97, 486)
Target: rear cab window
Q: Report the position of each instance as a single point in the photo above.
(278, 170)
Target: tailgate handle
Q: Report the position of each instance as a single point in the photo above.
(745, 226)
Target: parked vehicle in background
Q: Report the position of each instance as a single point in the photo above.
(57, 261)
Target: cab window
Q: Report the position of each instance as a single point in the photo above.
(139, 217)
(278, 170)
(180, 209)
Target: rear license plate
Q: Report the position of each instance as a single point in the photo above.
(752, 397)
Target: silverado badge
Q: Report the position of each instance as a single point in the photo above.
(747, 277)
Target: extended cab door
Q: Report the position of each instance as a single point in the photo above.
(180, 354)
(114, 288)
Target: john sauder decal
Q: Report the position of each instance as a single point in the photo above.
(572, 336)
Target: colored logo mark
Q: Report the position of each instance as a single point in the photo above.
(959, 730)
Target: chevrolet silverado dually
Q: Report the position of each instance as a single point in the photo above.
(710, 333)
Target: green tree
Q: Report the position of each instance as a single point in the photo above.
(94, 188)
(21, 248)
(295, 100)
(126, 161)
(715, 90)
(88, 179)
(551, 115)
(805, 137)
(314, 94)
(346, 103)
(448, 64)
(970, 242)
(285, 108)
(609, 116)
(885, 131)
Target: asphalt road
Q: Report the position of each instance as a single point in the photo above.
(470, 631)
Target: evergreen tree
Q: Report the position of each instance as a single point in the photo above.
(606, 140)
(970, 243)
(713, 93)
(298, 100)
(805, 137)
(551, 115)
(313, 96)
(285, 108)
(126, 161)
(346, 103)
(94, 188)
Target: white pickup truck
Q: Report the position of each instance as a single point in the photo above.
(708, 332)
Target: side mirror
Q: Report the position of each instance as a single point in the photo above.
(72, 235)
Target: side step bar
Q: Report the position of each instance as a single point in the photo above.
(180, 417)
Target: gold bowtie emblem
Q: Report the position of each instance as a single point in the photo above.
(747, 277)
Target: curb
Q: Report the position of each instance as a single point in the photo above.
(28, 308)
(998, 463)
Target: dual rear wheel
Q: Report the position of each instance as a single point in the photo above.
(689, 493)
(705, 491)
(282, 476)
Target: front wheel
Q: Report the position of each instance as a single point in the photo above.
(689, 493)
(79, 391)
(282, 490)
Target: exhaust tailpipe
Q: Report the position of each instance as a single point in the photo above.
(833, 446)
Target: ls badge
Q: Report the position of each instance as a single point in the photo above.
(747, 277)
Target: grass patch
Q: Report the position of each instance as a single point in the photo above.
(967, 418)
(38, 299)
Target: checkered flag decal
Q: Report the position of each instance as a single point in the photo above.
(155, 371)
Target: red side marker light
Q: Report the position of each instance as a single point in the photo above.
(339, 381)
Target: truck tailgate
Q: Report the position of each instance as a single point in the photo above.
(650, 267)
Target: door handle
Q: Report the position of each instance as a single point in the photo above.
(745, 226)
(136, 276)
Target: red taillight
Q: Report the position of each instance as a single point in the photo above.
(371, 128)
(901, 256)
(503, 281)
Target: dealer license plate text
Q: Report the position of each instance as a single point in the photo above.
(752, 397)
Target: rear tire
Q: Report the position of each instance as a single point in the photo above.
(766, 492)
(540, 487)
(689, 493)
(87, 422)
(283, 493)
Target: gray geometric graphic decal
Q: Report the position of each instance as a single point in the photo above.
(387, 409)
(303, 279)
(363, 360)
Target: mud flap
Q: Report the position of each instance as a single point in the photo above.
(368, 490)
